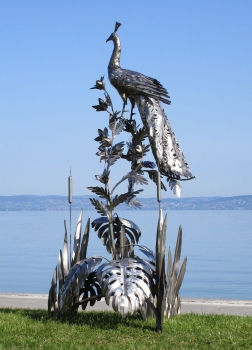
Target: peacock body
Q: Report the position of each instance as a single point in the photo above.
(148, 93)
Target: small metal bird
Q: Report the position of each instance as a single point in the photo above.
(147, 93)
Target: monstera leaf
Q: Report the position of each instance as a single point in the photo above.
(150, 255)
(75, 280)
(132, 231)
(128, 282)
(91, 289)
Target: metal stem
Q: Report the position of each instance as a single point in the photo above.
(70, 234)
(70, 199)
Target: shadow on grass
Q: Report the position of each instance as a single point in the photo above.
(93, 319)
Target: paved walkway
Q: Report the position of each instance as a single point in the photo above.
(199, 306)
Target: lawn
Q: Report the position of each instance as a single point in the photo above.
(33, 329)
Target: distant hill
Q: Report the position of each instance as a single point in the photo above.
(40, 203)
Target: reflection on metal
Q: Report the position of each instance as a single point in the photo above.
(175, 279)
(70, 200)
(126, 283)
(147, 93)
(129, 283)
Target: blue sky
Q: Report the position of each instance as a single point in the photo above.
(53, 51)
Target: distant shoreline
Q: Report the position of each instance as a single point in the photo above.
(60, 203)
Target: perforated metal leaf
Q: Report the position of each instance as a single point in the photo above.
(75, 280)
(127, 283)
(132, 231)
(91, 288)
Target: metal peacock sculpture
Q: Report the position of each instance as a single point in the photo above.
(129, 282)
(147, 93)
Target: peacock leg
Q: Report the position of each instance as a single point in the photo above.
(132, 101)
(123, 109)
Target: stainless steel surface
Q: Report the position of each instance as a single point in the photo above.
(127, 282)
(175, 279)
(74, 281)
(147, 93)
(77, 237)
(70, 188)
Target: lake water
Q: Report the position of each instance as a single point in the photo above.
(218, 245)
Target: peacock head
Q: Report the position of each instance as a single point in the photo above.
(114, 36)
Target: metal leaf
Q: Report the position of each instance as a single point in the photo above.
(132, 232)
(177, 253)
(128, 282)
(149, 253)
(77, 236)
(145, 150)
(180, 276)
(160, 269)
(174, 186)
(119, 127)
(100, 191)
(139, 179)
(175, 279)
(147, 164)
(134, 203)
(115, 152)
(91, 288)
(75, 280)
(153, 176)
(65, 253)
(53, 298)
(139, 136)
(99, 206)
(84, 243)
(60, 274)
(124, 197)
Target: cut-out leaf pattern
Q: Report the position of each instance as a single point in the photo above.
(75, 280)
(91, 288)
(132, 231)
(128, 282)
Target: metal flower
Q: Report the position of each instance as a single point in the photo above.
(99, 85)
(104, 177)
(108, 99)
(102, 106)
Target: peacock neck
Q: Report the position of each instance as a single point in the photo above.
(115, 58)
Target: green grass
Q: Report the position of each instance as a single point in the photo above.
(33, 329)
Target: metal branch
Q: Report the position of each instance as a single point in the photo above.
(94, 297)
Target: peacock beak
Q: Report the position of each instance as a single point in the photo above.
(110, 38)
